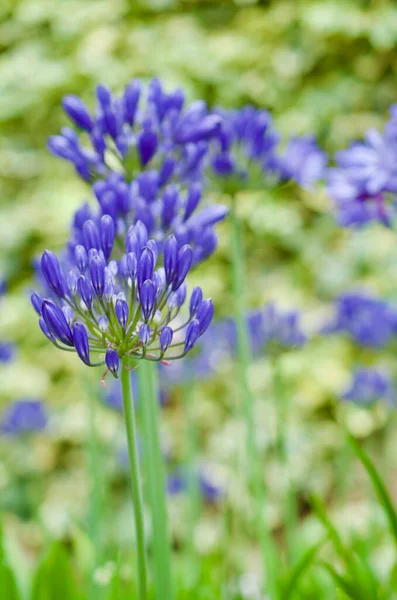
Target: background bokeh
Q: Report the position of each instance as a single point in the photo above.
(323, 67)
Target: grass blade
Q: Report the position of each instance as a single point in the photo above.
(300, 568)
(378, 485)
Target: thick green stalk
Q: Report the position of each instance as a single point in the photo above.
(255, 478)
(154, 467)
(195, 499)
(136, 488)
(290, 506)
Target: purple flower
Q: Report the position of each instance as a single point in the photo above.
(367, 320)
(24, 416)
(369, 385)
(132, 291)
(363, 183)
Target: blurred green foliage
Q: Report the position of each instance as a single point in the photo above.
(326, 67)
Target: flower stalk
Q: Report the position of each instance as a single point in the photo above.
(136, 488)
(154, 468)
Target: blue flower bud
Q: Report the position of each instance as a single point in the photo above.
(122, 312)
(193, 198)
(91, 235)
(144, 334)
(108, 291)
(152, 245)
(147, 145)
(53, 274)
(80, 339)
(169, 205)
(80, 256)
(46, 331)
(204, 129)
(112, 361)
(103, 323)
(185, 257)
(170, 258)
(86, 291)
(131, 97)
(77, 111)
(195, 299)
(37, 302)
(147, 294)
(104, 96)
(145, 266)
(97, 272)
(107, 235)
(210, 215)
(71, 280)
(167, 170)
(131, 265)
(60, 147)
(192, 334)
(204, 314)
(141, 234)
(166, 335)
(56, 322)
(132, 243)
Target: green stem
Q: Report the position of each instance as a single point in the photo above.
(195, 498)
(154, 466)
(290, 506)
(135, 479)
(255, 478)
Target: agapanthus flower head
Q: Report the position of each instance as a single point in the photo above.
(163, 209)
(302, 160)
(144, 127)
(24, 416)
(244, 144)
(363, 183)
(367, 320)
(370, 385)
(119, 307)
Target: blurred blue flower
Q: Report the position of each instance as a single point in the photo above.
(364, 182)
(245, 142)
(24, 416)
(7, 352)
(178, 482)
(368, 321)
(144, 127)
(368, 386)
(302, 161)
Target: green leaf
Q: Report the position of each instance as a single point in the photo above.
(344, 583)
(8, 584)
(54, 578)
(301, 567)
(378, 485)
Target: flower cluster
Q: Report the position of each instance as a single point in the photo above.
(142, 128)
(368, 321)
(247, 148)
(162, 209)
(24, 416)
(368, 386)
(363, 183)
(127, 307)
(270, 331)
(7, 350)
